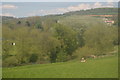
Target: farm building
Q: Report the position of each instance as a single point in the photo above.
(109, 22)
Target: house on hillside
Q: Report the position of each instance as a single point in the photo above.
(109, 22)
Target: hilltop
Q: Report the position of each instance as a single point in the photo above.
(96, 11)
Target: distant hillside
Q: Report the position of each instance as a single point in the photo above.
(96, 11)
(39, 19)
(4, 18)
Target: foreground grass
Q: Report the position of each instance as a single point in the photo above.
(95, 68)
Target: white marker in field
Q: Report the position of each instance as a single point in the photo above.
(13, 44)
(83, 60)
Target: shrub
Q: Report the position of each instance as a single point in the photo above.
(84, 51)
(10, 61)
(61, 57)
(33, 58)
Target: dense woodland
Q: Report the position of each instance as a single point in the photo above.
(57, 38)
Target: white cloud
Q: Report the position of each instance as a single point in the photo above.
(110, 0)
(79, 7)
(97, 5)
(8, 6)
(7, 14)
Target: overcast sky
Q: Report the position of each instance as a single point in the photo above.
(24, 9)
(59, 0)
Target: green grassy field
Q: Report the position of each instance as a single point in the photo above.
(106, 67)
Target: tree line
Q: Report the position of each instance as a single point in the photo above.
(44, 40)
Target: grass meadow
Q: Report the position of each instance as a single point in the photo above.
(106, 67)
